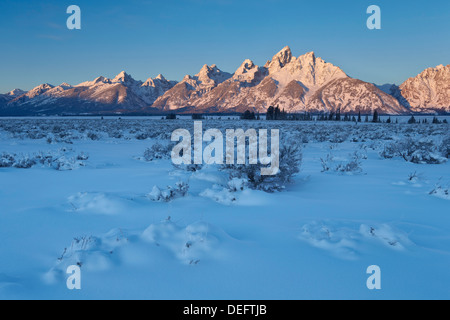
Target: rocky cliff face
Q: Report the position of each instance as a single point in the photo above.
(427, 92)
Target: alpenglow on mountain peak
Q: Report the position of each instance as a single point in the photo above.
(306, 83)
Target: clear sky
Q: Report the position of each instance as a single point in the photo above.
(177, 37)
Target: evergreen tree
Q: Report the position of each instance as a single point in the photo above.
(248, 115)
(338, 114)
(197, 116)
(375, 117)
(270, 113)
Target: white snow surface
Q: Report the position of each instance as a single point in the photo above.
(222, 240)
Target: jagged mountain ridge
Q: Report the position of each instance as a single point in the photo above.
(429, 91)
(191, 88)
(122, 93)
(291, 83)
(297, 84)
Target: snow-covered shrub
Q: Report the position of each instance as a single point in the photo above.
(94, 253)
(7, 160)
(237, 184)
(351, 166)
(170, 193)
(220, 194)
(339, 137)
(93, 136)
(116, 134)
(413, 176)
(415, 151)
(326, 163)
(82, 156)
(24, 162)
(441, 192)
(157, 152)
(189, 167)
(66, 164)
(290, 162)
(61, 160)
(142, 136)
(445, 147)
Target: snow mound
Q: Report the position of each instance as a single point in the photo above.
(346, 240)
(339, 241)
(170, 193)
(441, 192)
(89, 253)
(226, 195)
(219, 194)
(95, 203)
(190, 245)
(386, 235)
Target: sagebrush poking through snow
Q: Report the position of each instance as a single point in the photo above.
(290, 161)
(385, 216)
(441, 192)
(423, 151)
(62, 160)
(353, 165)
(157, 152)
(445, 147)
(170, 193)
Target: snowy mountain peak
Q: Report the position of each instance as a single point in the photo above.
(212, 74)
(45, 86)
(249, 72)
(306, 83)
(279, 60)
(123, 77)
(40, 89)
(97, 81)
(307, 70)
(158, 81)
(309, 57)
(206, 70)
(245, 67)
(284, 54)
(427, 92)
(16, 93)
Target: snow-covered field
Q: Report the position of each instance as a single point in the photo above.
(95, 193)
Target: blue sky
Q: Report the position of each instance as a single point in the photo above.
(175, 38)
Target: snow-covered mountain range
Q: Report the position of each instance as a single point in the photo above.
(296, 84)
(427, 92)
